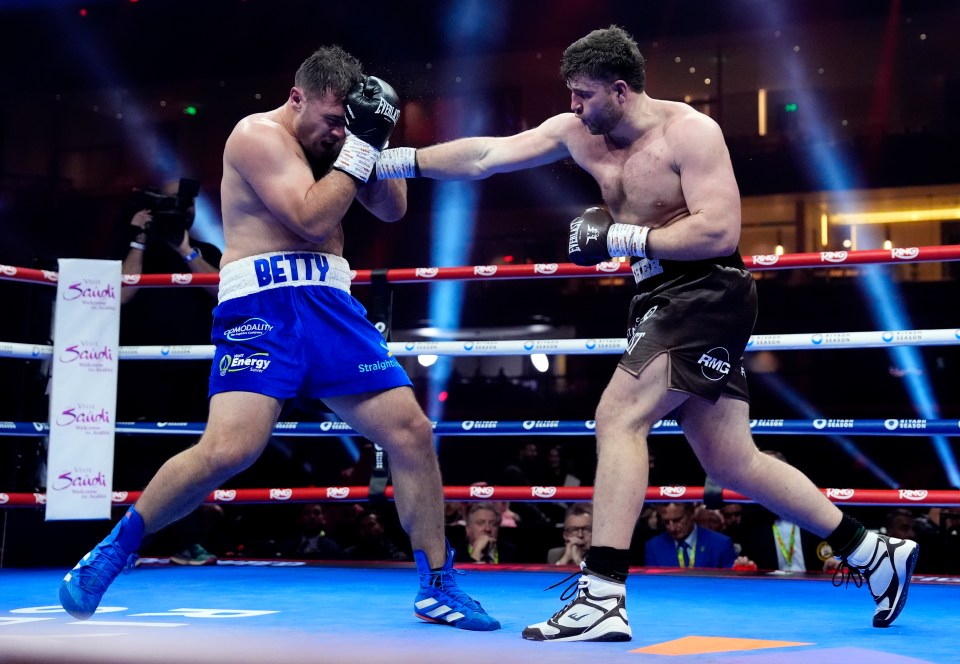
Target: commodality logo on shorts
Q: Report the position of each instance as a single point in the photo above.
(252, 328)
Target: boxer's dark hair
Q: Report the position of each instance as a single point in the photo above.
(606, 55)
(329, 68)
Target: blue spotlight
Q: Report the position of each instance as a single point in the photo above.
(207, 225)
(804, 407)
(830, 167)
(467, 24)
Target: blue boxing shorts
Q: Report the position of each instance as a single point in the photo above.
(286, 325)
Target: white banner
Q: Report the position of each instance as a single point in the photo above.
(83, 396)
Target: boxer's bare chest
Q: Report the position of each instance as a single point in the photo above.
(640, 183)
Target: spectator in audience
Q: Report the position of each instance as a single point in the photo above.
(311, 541)
(482, 532)
(938, 532)
(373, 542)
(557, 470)
(453, 513)
(707, 518)
(684, 544)
(899, 523)
(732, 516)
(524, 471)
(577, 534)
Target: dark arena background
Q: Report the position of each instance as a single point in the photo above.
(841, 121)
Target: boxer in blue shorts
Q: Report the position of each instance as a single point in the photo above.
(673, 205)
(282, 315)
(286, 325)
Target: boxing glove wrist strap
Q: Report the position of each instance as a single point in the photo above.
(397, 163)
(627, 240)
(357, 158)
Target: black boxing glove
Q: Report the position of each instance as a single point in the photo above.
(595, 238)
(372, 111)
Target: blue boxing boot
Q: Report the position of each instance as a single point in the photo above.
(440, 599)
(83, 587)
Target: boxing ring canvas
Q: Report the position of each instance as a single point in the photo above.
(282, 612)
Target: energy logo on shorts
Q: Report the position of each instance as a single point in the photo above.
(248, 329)
(255, 363)
(715, 363)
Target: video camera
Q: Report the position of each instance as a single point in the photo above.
(171, 216)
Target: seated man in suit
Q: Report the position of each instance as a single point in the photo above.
(577, 535)
(684, 544)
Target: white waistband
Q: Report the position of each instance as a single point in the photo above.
(280, 269)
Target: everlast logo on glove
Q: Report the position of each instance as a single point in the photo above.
(387, 109)
(574, 246)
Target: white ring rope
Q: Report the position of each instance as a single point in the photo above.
(608, 346)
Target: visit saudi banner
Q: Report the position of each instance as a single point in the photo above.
(83, 395)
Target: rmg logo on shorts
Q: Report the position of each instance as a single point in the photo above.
(712, 367)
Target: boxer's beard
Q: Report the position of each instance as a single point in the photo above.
(606, 119)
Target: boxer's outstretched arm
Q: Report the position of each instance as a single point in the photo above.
(479, 157)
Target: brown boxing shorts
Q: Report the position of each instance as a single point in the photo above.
(701, 314)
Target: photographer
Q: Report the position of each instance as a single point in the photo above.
(160, 239)
(159, 243)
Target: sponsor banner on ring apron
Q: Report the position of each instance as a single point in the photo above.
(83, 391)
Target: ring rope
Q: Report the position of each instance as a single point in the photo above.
(604, 346)
(819, 426)
(515, 493)
(542, 270)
